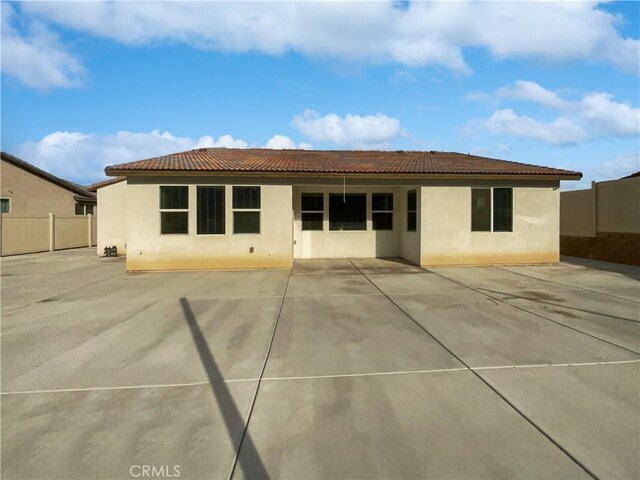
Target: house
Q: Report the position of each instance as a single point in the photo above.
(41, 212)
(602, 222)
(113, 226)
(217, 208)
(29, 190)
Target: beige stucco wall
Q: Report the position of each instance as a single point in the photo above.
(147, 249)
(24, 234)
(71, 231)
(344, 244)
(612, 206)
(578, 213)
(618, 205)
(443, 234)
(112, 221)
(447, 239)
(32, 195)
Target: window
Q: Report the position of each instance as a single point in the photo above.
(84, 209)
(348, 211)
(312, 207)
(5, 205)
(210, 201)
(382, 211)
(174, 210)
(246, 209)
(503, 209)
(491, 212)
(412, 212)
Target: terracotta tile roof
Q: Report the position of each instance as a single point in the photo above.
(332, 162)
(104, 183)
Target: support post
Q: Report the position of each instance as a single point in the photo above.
(52, 232)
(89, 229)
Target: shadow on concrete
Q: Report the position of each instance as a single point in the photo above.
(250, 460)
(631, 271)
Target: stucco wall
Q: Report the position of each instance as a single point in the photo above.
(344, 244)
(24, 234)
(618, 205)
(32, 195)
(112, 221)
(147, 249)
(447, 239)
(578, 213)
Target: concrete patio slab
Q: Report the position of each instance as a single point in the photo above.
(102, 434)
(316, 285)
(323, 266)
(613, 319)
(385, 265)
(347, 335)
(156, 347)
(484, 332)
(398, 426)
(400, 284)
(591, 410)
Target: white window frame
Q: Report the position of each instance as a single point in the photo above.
(7, 198)
(491, 205)
(187, 210)
(302, 212)
(233, 210)
(224, 191)
(393, 201)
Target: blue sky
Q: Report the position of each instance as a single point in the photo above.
(88, 84)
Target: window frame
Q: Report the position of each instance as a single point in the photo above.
(373, 227)
(302, 212)
(176, 210)
(366, 209)
(224, 199)
(234, 210)
(9, 199)
(84, 208)
(415, 212)
(491, 210)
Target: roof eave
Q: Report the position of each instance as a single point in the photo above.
(244, 173)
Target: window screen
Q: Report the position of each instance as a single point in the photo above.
(480, 210)
(382, 211)
(246, 206)
(210, 210)
(348, 212)
(246, 198)
(174, 222)
(174, 198)
(502, 209)
(312, 209)
(412, 213)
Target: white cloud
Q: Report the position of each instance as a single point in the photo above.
(282, 142)
(350, 131)
(424, 33)
(597, 114)
(532, 92)
(82, 157)
(37, 58)
(561, 131)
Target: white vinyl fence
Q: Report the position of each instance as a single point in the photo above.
(45, 233)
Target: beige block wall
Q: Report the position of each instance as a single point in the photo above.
(447, 239)
(24, 234)
(32, 195)
(147, 249)
(578, 213)
(344, 244)
(71, 232)
(112, 221)
(618, 205)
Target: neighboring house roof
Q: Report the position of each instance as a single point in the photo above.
(81, 193)
(105, 183)
(264, 161)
